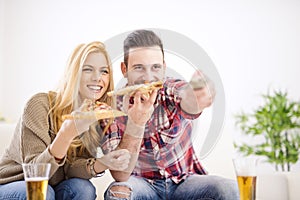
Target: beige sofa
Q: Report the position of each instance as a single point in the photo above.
(269, 186)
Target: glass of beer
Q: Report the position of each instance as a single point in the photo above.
(36, 177)
(245, 169)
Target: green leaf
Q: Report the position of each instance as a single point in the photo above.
(278, 121)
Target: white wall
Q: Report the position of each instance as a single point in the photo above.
(1, 52)
(255, 45)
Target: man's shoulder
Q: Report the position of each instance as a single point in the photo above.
(170, 81)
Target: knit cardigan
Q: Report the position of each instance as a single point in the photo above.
(30, 143)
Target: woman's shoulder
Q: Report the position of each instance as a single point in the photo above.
(35, 113)
(37, 101)
(39, 98)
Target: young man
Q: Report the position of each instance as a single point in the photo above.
(166, 166)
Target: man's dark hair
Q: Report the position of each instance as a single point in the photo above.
(141, 38)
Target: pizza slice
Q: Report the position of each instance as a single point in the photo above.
(197, 83)
(98, 110)
(130, 90)
(199, 80)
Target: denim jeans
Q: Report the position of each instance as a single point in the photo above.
(74, 188)
(195, 187)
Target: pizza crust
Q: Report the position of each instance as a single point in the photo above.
(130, 90)
(94, 110)
(99, 114)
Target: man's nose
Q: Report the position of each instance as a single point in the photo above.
(148, 76)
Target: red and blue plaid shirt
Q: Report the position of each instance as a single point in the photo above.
(166, 150)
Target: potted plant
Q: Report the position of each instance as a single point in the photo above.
(277, 124)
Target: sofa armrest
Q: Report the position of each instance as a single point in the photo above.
(272, 186)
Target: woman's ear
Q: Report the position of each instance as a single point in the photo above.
(124, 69)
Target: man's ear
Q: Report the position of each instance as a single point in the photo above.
(124, 69)
(164, 66)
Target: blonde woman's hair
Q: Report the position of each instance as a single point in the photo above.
(66, 98)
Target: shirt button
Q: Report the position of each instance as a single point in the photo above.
(162, 171)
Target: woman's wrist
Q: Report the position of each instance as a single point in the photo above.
(66, 134)
(57, 158)
(96, 168)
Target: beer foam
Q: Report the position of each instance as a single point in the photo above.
(35, 179)
(243, 172)
(247, 174)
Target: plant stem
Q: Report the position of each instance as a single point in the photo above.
(287, 151)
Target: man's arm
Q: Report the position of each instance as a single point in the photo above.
(138, 115)
(132, 144)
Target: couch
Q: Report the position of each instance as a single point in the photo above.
(270, 186)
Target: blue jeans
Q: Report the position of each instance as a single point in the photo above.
(74, 188)
(195, 187)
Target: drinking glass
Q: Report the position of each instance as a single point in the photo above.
(36, 177)
(245, 169)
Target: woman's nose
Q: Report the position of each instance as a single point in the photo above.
(97, 76)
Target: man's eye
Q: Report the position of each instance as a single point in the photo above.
(157, 67)
(138, 67)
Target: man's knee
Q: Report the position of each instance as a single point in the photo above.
(120, 191)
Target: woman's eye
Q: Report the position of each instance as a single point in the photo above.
(87, 69)
(104, 72)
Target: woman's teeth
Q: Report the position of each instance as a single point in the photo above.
(94, 87)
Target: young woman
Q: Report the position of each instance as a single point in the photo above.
(42, 136)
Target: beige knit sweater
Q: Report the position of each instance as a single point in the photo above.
(32, 137)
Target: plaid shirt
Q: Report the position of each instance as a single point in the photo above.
(166, 150)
